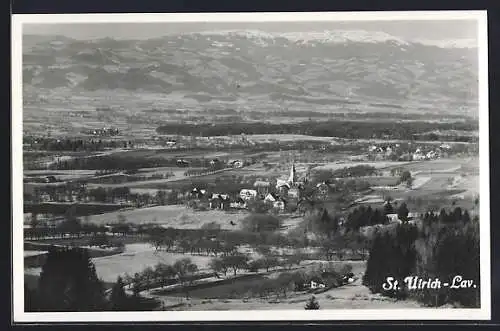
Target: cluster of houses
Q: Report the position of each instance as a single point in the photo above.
(261, 191)
(326, 280)
(194, 141)
(394, 218)
(104, 132)
(419, 153)
(213, 163)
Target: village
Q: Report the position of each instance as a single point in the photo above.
(181, 174)
(117, 209)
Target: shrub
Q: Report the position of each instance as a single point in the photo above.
(261, 223)
(312, 304)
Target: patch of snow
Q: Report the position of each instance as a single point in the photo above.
(419, 182)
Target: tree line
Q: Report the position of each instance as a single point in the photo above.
(76, 145)
(64, 193)
(116, 162)
(332, 128)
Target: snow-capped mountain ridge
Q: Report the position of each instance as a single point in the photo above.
(326, 36)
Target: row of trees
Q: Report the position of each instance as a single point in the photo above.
(162, 197)
(119, 179)
(287, 282)
(456, 215)
(444, 247)
(124, 162)
(356, 171)
(79, 193)
(68, 282)
(183, 272)
(367, 216)
(73, 227)
(215, 242)
(205, 171)
(75, 145)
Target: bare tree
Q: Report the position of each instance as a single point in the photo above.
(185, 269)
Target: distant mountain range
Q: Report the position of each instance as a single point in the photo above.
(323, 68)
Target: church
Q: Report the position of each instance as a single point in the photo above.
(291, 186)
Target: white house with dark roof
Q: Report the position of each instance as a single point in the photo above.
(271, 197)
(236, 163)
(247, 194)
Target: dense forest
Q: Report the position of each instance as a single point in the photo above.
(343, 129)
(446, 245)
(115, 162)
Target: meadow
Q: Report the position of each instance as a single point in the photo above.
(176, 216)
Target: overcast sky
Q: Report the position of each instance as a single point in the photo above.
(432, 30)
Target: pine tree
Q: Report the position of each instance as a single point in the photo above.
(403, 212)
(466, 217)
(458, 254)
(388, 209)
(68, 282)
(312, 304)
(392, 255)
(30, 299)
(118, 298)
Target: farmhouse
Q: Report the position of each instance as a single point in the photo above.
(432, 155)
(271, 197)
(236, 164)
(325, 280)
(247, 194)
(393, 218)
(197, 193)
(315, 285)
(219, 201)
(239, 203)
(182, 163)
(171, 143)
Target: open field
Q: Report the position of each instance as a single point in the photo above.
(187, 182)
(377, 165)
(80, 209)
(192, 153)
(261, 138)
(177, 181)
(135, 258)
(177, 216)
(38, 173)
(380, 180)
(446, 183)
(442, 165)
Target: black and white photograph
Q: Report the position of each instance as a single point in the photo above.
(250, 166)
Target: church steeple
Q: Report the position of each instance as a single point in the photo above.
(293, 175)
